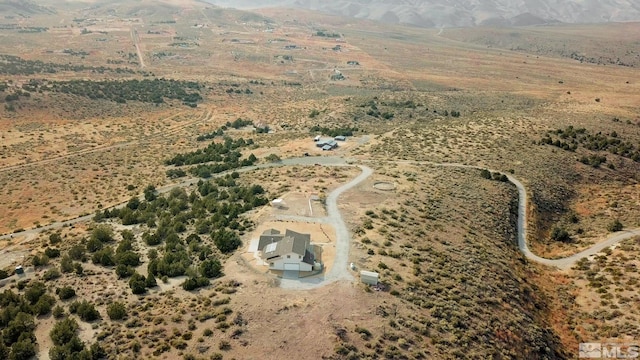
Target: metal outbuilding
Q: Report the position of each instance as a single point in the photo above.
(369, 277)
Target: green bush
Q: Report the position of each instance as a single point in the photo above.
(193, 283)
(63, 331)
(54, 238)
(44, 305)
(560, 234)
(85, 310)
(51, 274)
(615, 225)
(65, 292)
(137, 283)
(116, 311)
(211, 268)
(52, 253)
(23, 350)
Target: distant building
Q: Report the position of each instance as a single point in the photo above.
(288, 251)
(328, 144)
(340, 138)
(352, 62)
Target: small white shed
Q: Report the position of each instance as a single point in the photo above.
(369, 277)
(278, 203)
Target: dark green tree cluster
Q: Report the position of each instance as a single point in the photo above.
(327, 34)
(195, 282)
(340, 131)
(146, 90)
(593, 160)
(560, 234)
(239, 91)
(85, 310)
(210, 135)
(239, 123)
(225, 152)
(14, 65)
(214, 208)
(571, 138)
(176, 173)
(67, 344)
(139, 284)
(17, 323)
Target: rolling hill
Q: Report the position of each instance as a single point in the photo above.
(463, 13)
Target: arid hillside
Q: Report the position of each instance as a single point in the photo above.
(462, 13)
(141, 147)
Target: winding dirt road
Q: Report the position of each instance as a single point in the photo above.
(340, 270)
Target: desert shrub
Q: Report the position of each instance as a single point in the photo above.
(85, 310)
(58, 312)
(137, 283)
(55, 238)
(124, 271)
(44, 305)
(226, 240)
(193, 283)
(116, 311)
(63, 331)
(65, 292)
(40, 260)
(615, 225)
(51, 274)
(77, 252)
(104, 257)
(52, 253)
(102, 233)
(211, 268)
(150, 281)
(560, 234)
(34, 291)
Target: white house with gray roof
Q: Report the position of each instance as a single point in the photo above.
(288, 251)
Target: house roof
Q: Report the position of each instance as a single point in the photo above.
(269, 236)
(308, 258)
(293, 243)
(271, 231)
(297, 235)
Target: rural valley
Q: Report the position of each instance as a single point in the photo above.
(180, 180)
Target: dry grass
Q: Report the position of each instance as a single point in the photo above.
(444, 237)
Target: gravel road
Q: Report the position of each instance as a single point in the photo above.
(340, 271)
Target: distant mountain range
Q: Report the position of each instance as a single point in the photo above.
(462, 13)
